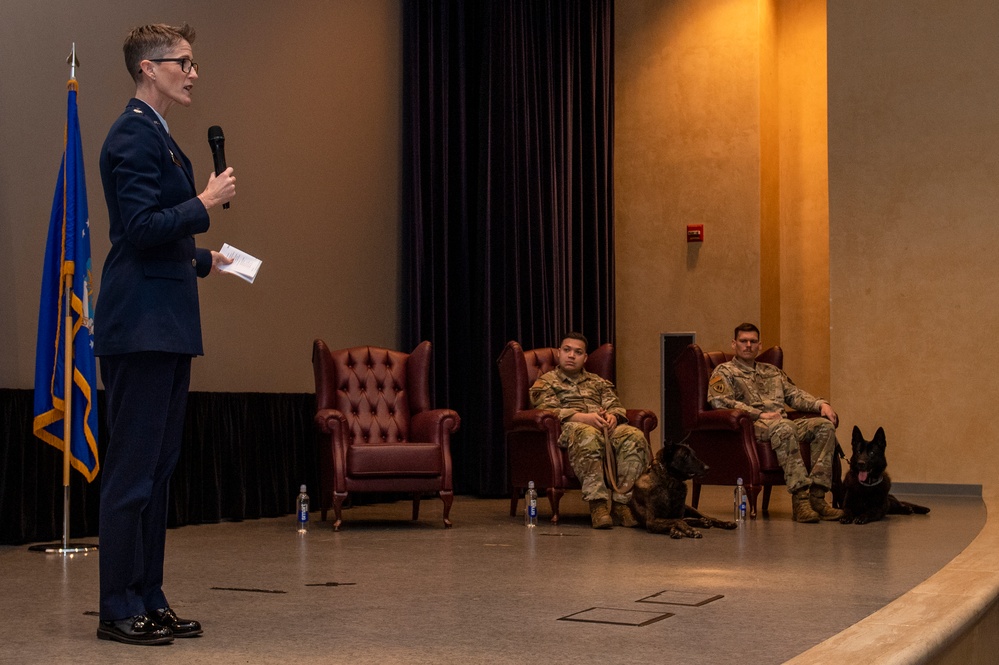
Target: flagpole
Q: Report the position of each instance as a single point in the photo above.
(68, 392)
(69, 273)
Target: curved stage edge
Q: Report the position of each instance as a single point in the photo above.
(951, 618)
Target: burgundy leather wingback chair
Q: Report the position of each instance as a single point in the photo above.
(724, 438)
(532, 434)
(376, 428)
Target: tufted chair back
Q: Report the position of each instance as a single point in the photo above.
(378, 390)
(378, 432)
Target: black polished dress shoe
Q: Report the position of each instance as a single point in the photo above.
(139, 629)
(167, 618)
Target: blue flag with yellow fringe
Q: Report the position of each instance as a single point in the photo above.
(67, 257)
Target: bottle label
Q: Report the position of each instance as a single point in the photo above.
(532, 508)
(303, 514)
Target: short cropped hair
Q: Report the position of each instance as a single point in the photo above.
(745, 327)
(576, 335)
(152, 41)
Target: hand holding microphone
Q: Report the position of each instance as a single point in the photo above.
(222, 185)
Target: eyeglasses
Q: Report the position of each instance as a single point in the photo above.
(186, 65)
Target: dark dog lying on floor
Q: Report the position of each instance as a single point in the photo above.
(659, 498)
(867, 485)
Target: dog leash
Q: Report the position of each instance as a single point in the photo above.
(610, 460)
(839, 451)
(610, 463)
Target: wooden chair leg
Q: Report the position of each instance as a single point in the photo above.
(753, 493)
(514, 500)
(695, 494)
(447, 496)
(767, 491)
(554, 497)
(338, 499)
(416, 507)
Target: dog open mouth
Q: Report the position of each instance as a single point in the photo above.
(865, 478)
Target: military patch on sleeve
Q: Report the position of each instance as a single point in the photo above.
(718, 385)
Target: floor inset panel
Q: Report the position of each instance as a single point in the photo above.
(617, 616)
(687, 598)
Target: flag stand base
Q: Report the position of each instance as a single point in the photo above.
(64, 548)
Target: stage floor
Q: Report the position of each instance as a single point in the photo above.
(386, 590)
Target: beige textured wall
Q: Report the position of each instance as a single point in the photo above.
(720, 119)
(770, 173)
(308, 93)
(686, 150)
(804, 192)
(913, 194)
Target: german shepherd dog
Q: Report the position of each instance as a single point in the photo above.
(867, 484)
(659, 498)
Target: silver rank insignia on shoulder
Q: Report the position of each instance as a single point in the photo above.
(139, 111)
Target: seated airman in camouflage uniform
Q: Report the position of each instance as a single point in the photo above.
(589, 409)
(763, 391)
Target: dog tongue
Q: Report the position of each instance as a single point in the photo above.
(861, 476)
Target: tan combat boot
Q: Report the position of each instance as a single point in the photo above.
(817, 499)
(801, 507)
(599, 515)
(621, 515)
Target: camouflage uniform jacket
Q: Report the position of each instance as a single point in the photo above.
(586, 393)
(762, 387)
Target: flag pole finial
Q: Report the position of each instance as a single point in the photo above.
(72, 62)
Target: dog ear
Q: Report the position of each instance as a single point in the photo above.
(879, 437)
(857, 435)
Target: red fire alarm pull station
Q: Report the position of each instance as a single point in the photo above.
(695, 232)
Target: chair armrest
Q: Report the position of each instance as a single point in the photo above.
(334, 434)
(535, 420)
(330, 421)
(728, 419)
(434, 425)
(643, 419)
(437, 426)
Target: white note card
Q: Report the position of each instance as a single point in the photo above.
(243, 265)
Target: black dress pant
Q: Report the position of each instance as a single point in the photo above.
(146, 402)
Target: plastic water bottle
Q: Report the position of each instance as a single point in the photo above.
(530, 506)
(741, 502)
(303, 510)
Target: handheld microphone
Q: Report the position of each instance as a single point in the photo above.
(216, 139)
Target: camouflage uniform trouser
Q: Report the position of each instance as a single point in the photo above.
(585, 445)
(784, 437)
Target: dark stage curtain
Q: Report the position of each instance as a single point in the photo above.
(507, 215)
(244, 457)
